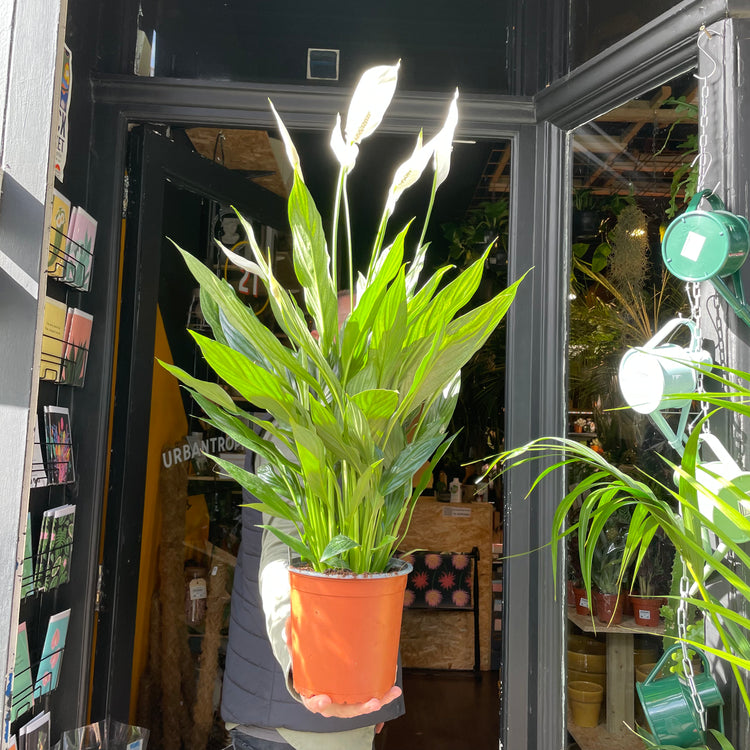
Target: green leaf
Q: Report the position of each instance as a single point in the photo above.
(721, 739)
(236, 428)
(378, 406)
(449, 301)
(312, 457)
(210, 310)
(405, 466)
(291, 541)
(244, 320)
(212, 391)
(311, 261)
(337, 547)
(463, 338)
(276, 505)
(260, 387)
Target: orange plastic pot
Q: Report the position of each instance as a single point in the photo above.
(609, 608)
(583, 605)
(345, 630)
(646, 610)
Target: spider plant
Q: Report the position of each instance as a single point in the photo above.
(657, 507)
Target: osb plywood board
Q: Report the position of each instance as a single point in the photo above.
(598, 738)
(442, 639)
(246, 150)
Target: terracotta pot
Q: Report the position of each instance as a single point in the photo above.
(642, 671)
(609, 608)
(646, 610)
(643, 655)
(627, 605)
(598, 678)
(587, 655)
(582, 603)
(585, 700)
(345, 631)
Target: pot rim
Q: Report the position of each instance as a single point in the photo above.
(396, 567)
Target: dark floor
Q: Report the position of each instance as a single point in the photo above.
(445, 710)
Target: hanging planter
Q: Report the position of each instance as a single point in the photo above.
(345, 631)
(670, 705)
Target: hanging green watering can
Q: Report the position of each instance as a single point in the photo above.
(709, 246)
(668, 704)
(651, 374)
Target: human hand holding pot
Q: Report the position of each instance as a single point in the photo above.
(322, 704)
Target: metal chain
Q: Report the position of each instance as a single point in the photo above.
(704, 157)
(687, 664)
(693, 292)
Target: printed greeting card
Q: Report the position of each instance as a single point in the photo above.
(76, 349)
(58, 233)
(48, 673)
(23, 694)
(59, 445)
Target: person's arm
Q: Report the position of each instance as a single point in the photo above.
(273, 580)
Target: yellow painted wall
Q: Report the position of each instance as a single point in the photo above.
(168, 424)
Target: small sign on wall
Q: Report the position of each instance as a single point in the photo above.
(456, 512)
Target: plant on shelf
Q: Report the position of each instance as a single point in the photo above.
(673, 511)
(483, 226)
(358, 406)
(616, 307)
(607, 572)
(655, 571)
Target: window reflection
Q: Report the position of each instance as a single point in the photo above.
(634, 170)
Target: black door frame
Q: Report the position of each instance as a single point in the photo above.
(153, 159)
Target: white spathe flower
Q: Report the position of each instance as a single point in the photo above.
(241, 262)
(443, 143)
(291, 151)
(370, 101)
(409, 172)
(345, 153)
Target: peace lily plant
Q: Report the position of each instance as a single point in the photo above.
(355, 409)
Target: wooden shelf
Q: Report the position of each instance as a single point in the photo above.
(627, 625)
(598, 738)
(620, 698)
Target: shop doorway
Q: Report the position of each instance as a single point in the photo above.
(181, 191)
